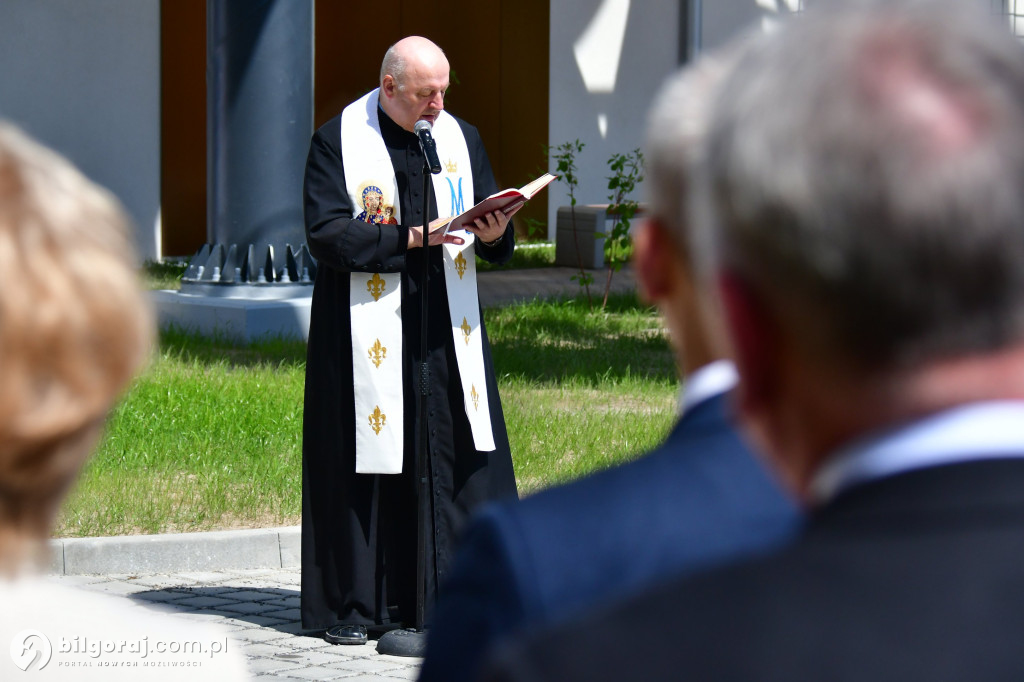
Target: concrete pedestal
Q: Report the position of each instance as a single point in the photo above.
(240, 319)
(590, 221)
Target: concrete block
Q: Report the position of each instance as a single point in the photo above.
(56, 563)
(237, 318)
(176, 552)
(590, 222)
(291, 547)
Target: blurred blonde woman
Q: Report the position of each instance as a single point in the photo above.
(75, 327)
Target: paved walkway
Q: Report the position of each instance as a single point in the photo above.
(248, 581)
(260, 608)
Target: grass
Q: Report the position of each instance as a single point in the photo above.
(581, 390)
(528, 255)
(165, 275)
(209, 437)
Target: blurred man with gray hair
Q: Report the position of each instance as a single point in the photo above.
(697, 500)
(863, 221)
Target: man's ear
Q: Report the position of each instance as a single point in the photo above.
(653, 260)
(754, 341)
(387, 85)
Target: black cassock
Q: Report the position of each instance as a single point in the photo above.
(359, 530)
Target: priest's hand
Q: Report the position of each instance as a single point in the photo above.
(433, 238)
(490, 228)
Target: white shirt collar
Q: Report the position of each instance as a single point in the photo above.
(982, 430)
(707, 382)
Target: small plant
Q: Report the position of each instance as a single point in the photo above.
(535, 229)
(565, 160)
(627, 174)
(163, 274)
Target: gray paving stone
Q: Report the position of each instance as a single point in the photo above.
(261, 665)
(263, 572)
(116, 588)
(296, 628)
(259, 634)
(368, 651)
(411, 674)
(250, 595)
(370, 665)
(156, 581)
(82, 580)
(203, 602)
(201, 578)
(207, 590)
(269, 650)
(324, 657)
(162, 596)
(207, 617)
(317, 674)
(301, 642)
(287, 614)
(249, 621)
(247, 607)
(285, 602)
(399, 660)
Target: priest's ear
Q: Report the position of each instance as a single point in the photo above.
(388, 85)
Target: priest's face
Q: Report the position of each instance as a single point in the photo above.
(418, 93)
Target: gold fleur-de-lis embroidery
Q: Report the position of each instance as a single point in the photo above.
(375, 285)
(377, 420)
(466, 329)
(377, 353)
(460, 265)
(474, 396)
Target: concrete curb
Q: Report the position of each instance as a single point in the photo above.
(178, 552)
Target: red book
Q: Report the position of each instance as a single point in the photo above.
(508, 201)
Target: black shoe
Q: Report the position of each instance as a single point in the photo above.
(346, 634)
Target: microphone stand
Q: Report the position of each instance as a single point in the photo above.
(413, 641)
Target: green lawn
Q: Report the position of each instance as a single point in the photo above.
(209, 437)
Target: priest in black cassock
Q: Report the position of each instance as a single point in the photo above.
(364, 217)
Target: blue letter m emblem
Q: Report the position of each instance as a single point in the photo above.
(458, 204)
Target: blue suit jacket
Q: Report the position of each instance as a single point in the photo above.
(701, 498)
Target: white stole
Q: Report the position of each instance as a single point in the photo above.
(376, 298)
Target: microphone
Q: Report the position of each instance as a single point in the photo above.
(428, 145)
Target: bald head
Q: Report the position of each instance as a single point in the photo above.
(413, 80)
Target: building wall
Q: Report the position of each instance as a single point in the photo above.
(601, 95)
(608, 59)
(83, 76)
(722, 20)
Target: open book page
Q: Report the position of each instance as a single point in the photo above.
(507, 201)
